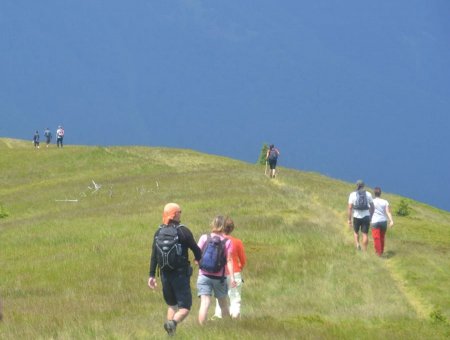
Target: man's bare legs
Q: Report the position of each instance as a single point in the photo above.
(177, 314)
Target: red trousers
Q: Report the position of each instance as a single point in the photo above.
(378, 239)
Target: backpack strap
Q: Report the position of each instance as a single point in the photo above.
(181, 230)
(159, 230)
(208, 237)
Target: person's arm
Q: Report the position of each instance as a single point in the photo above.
(187, 239)
(349, 214)
(371, 208)
(389, 214)
(241, 254)
(153, 264)
(190, 242)
(230, 265)
(371, 205)
(152, 282)
(200, 244)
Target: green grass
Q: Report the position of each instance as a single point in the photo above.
(77, 270)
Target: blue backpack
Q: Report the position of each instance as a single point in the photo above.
(214, 257)
(273, 155)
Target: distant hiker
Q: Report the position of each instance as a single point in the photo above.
(239, 261)
(272, 157)
(380, 217)
(36, 138)
(360, 209)
(170, 253)
(215, 265)
(48, 136)
(59, 136)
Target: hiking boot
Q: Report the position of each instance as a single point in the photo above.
(170, 327)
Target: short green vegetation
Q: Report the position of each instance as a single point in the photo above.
(262, 154)
(403, 208)
(75, 246)
(3, 212)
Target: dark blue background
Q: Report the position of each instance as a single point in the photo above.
(351, 89)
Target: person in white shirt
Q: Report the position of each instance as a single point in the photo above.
(359, 210)
(381, 216)
(59, 136)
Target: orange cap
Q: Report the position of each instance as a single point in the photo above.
(169, 212)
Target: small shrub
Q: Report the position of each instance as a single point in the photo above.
(3, 212)
(262, 155)
(436, 316)
(403, 209)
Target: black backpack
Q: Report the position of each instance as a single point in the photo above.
(273, 155)
(361, 201)
(213, 257)
(168, 249)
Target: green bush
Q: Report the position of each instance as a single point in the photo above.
(262, 155)
(403, 209)
(437, 316)
(3, 212)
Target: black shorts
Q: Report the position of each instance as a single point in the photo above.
(272, 163)
(361, 223)
(177, 287)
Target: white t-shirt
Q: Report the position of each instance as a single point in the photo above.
(360, 213)
(379, 215)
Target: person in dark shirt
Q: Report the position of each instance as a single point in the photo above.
(36, 139)
(272, 157)
(175, 281)
(48, 136)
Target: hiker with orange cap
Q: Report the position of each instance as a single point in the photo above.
(170, 254)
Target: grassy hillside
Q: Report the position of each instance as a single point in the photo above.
(78, 269)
